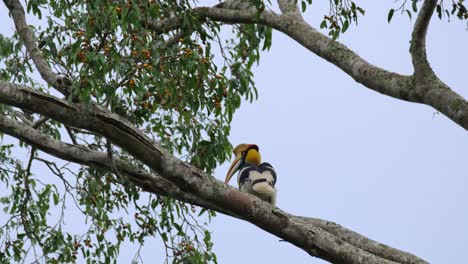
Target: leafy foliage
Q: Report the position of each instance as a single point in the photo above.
(167, 82)
(457, 9)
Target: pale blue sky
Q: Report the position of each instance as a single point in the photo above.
(391, 170)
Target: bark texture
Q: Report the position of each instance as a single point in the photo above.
(179, 180)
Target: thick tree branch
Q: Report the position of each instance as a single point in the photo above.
(407, 88)
(366, 244)
(163, 26)
(206, 190)
(84, 156)
(39, 122)
(418, 39)
(428, 86)
(61, 83)
(380, 80)
(234, 16)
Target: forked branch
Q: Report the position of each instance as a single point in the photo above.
(418, 39)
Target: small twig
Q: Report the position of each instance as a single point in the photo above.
(112, 161)
(221, 47)
(163, 26)
(71, 135)
(56, 171)
(25, 199)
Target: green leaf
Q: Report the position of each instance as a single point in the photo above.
(415, 6)
(345, 26)
(390, 15)
(323, 24)
(164, 236)
(304, 6)
(56, 198)
(362, 11)
(439, 11)
(409, 14)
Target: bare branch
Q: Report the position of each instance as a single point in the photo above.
(25, 200)
(388, 83)
(366, 244)
(418, 39)
(112, 161)
(163, 26)
(289, 7)
(234, 15)
(61, 83)
(236, 4)
(407, 88)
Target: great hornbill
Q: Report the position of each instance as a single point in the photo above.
(254, 177)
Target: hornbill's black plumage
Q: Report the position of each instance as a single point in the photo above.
(254, 177)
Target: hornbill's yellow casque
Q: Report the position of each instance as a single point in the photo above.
(254, 177)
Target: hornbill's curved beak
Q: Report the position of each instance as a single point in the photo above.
(238, 161)
(241, 152)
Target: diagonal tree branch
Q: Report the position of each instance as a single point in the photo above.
(84, 156)
(349, 247)
(418, 39)
(356, 239)
(388, 83)
(39, 122)
(408, 88)
(61, 83)
(163, 26)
